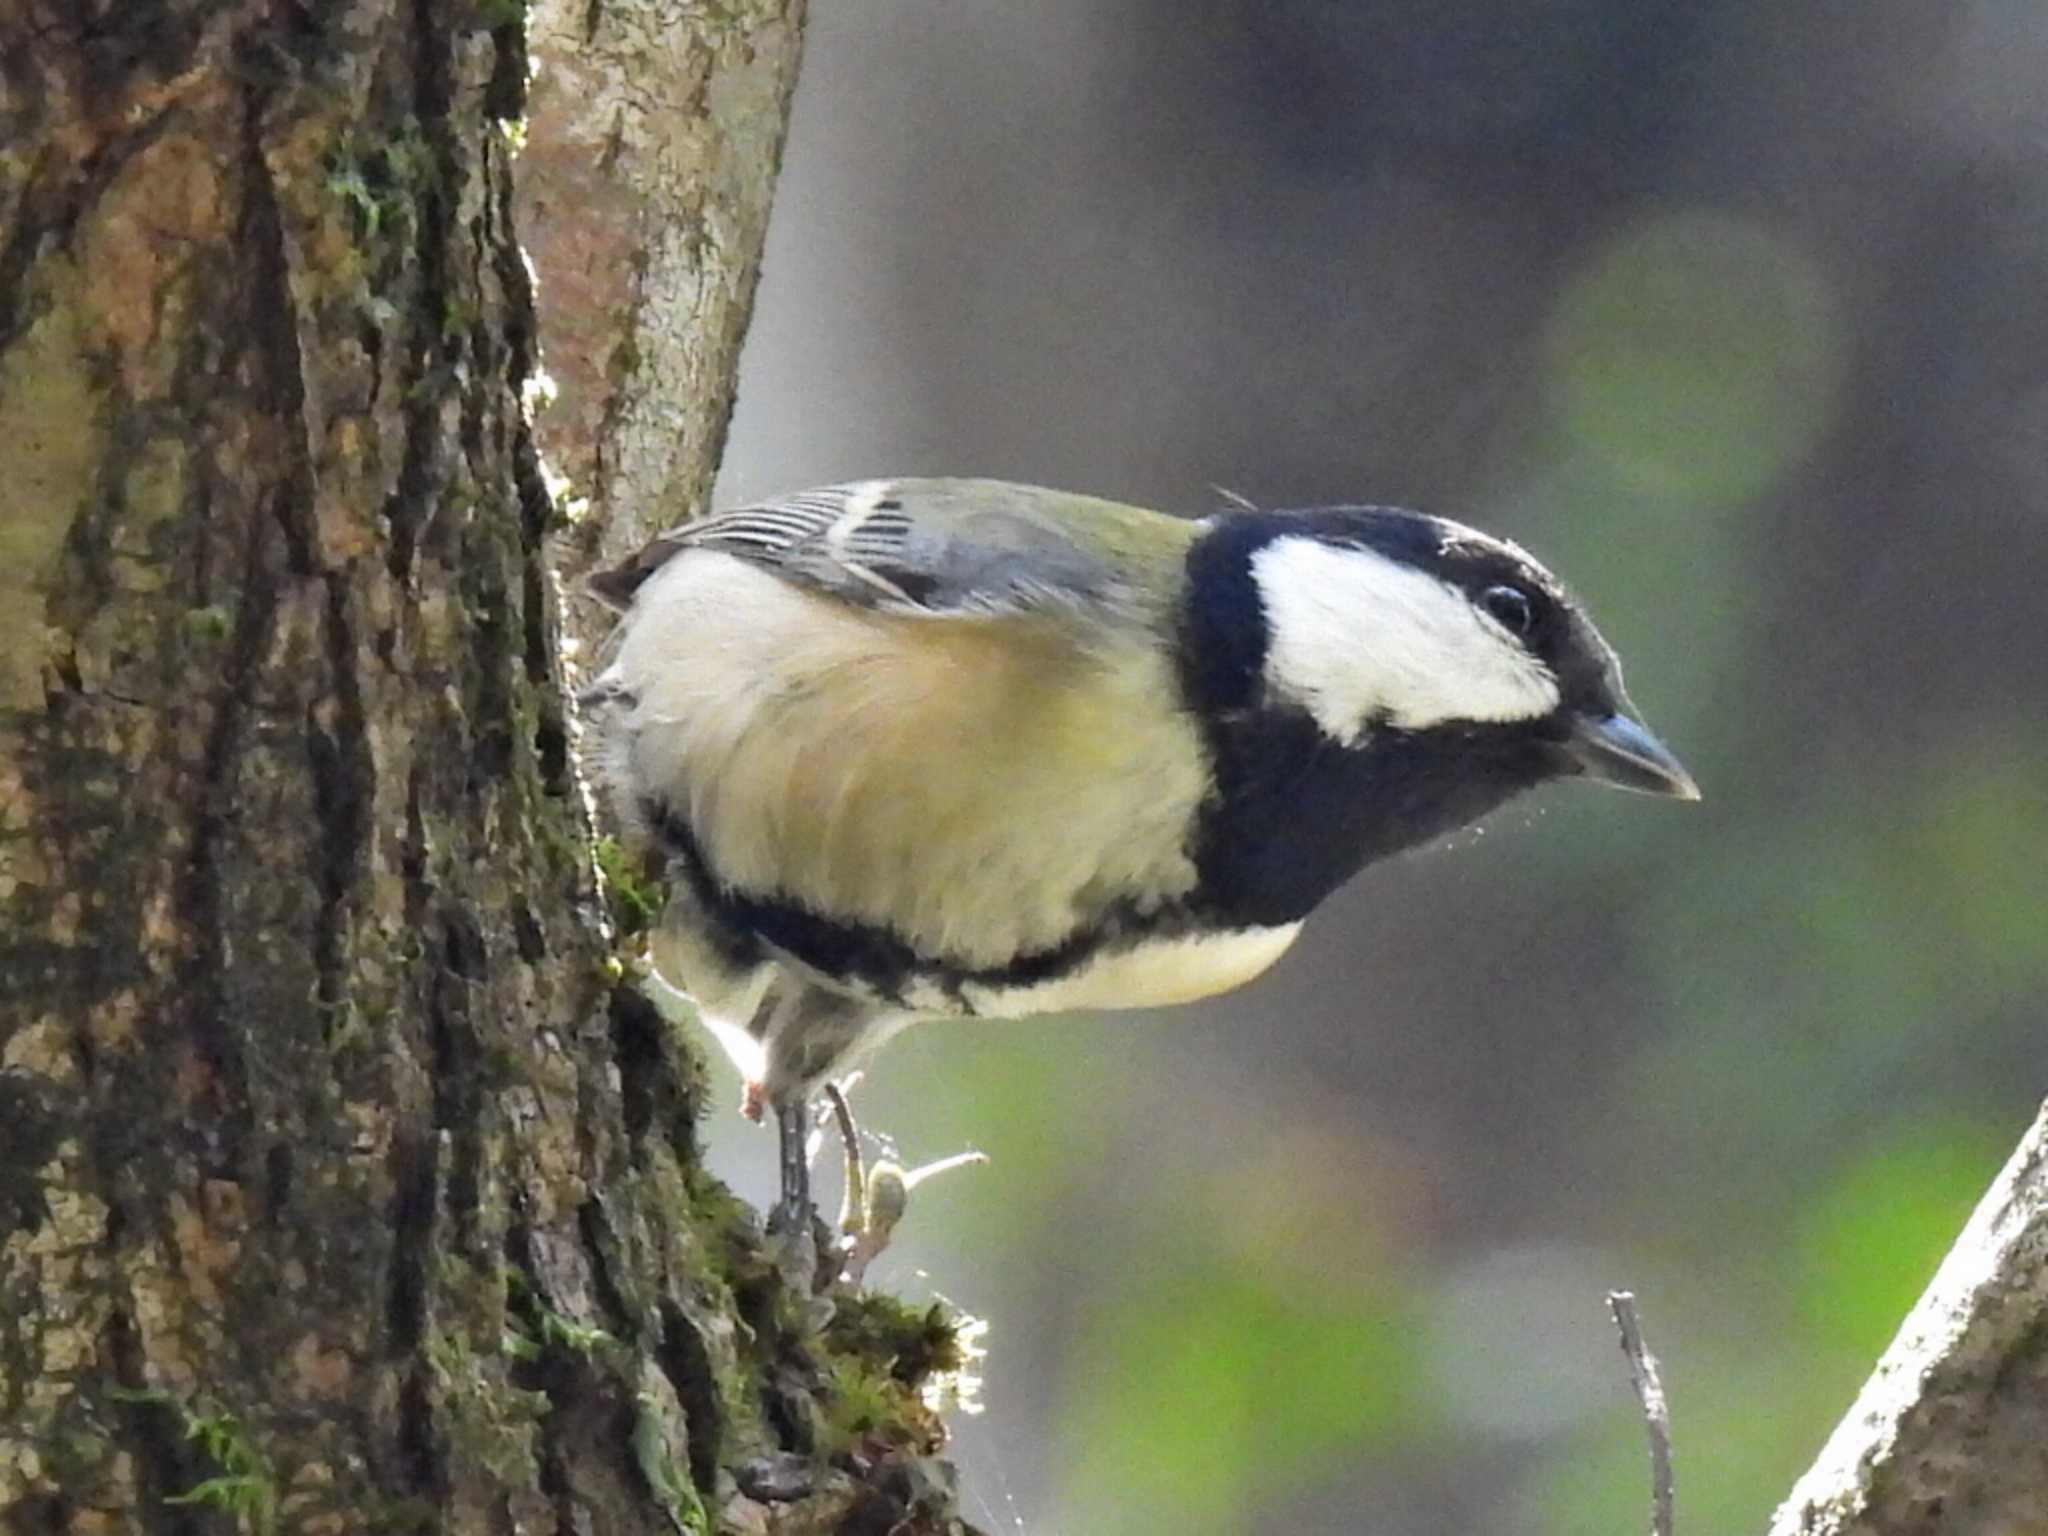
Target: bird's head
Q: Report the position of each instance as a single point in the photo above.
(1379, 620)
(1427, 670)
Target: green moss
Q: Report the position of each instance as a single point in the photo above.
(244, 1485)
(489, 1421)
(346, 185)
(862, 1404)
(635, 897)
(480, 1293)
(654, 1454)
(578, 1338)
(882, 1354)
(912, 1344)
(210, 625)
(533, 1328)
(379, 182)
(728, 1244)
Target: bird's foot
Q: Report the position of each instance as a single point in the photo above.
(812, 1257)
(802, 1250)
(800, 1245)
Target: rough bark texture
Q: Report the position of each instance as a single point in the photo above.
(654, 135)
(342, 1187)
(1950, 1435)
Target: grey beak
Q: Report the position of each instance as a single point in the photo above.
(1613, 749)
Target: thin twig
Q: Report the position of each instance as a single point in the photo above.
(1642, 1375)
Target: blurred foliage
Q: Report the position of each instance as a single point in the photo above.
(1866, 1243)
(1212, 1377)
(1696, 355)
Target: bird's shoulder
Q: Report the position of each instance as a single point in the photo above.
(931, 547)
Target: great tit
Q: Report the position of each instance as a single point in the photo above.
(920, 748)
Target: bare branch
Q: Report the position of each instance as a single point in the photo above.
(1951, 1431)
(1649, 1388)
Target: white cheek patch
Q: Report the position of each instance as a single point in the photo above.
(1357, 637)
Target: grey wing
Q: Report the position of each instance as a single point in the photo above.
(908, 546)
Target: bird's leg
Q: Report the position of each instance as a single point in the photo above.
(804, 1033)
(793, 1213)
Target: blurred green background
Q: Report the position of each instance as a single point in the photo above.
(1737, 313)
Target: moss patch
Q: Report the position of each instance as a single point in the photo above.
(633, 895)
(242, 1483)
(882, 1355)
(489, 1422)
(911, 1343)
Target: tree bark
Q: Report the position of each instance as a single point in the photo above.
(343, 1187)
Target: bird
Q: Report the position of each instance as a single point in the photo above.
(927, 748)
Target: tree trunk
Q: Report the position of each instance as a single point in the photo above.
(343, 1186)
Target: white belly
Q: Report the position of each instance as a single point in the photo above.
(1154, 974)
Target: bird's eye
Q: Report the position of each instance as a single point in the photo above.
(1511, 607)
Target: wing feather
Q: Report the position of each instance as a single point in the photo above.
(927, 547)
